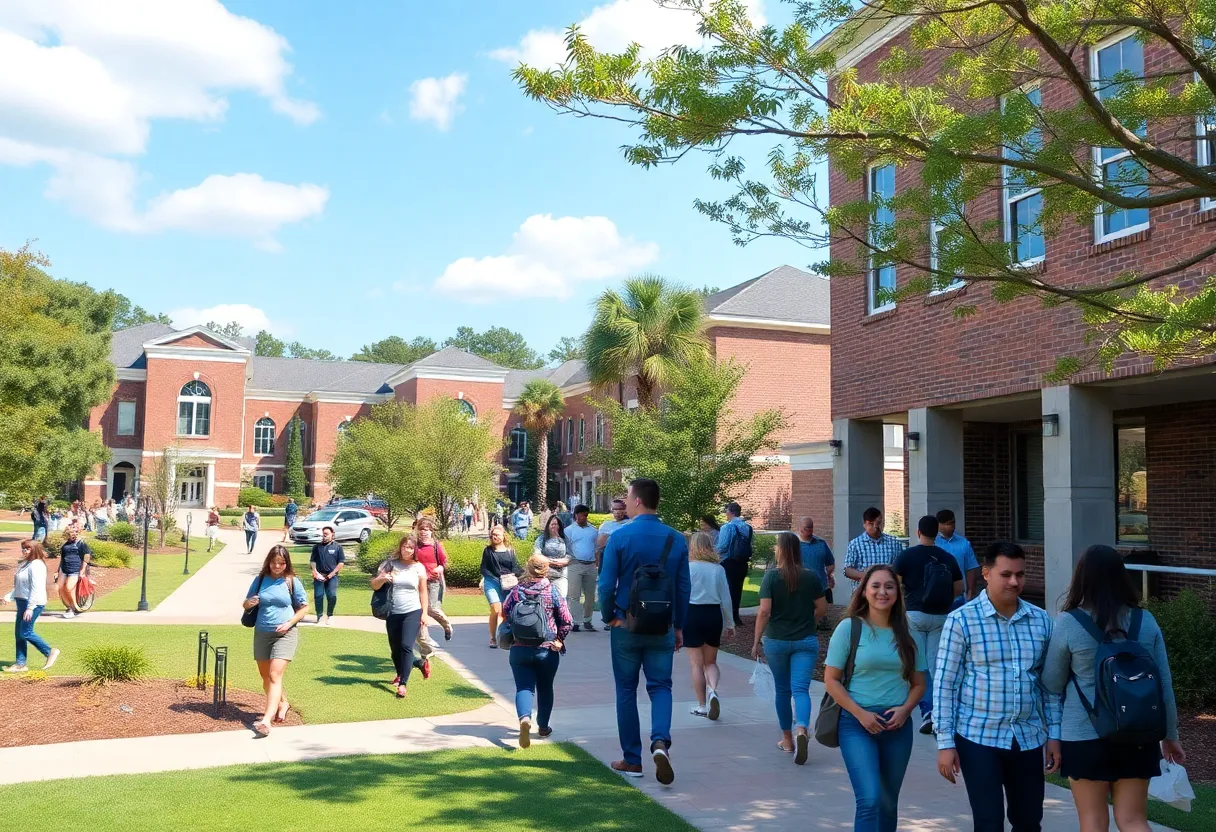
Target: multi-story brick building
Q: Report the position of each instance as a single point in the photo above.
(1014, 456)
(228, 411)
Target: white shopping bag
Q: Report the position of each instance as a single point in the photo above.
(762, 682)
(1172, 787)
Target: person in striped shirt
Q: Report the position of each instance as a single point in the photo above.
(994, 719)
(872, 547)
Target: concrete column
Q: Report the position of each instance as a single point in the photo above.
(209, 500)
(857, 477)
(1078, 482)
(935, 471)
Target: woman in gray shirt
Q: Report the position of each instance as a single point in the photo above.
(552, 545)
(1099, 769)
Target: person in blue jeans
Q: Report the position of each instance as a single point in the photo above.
(29, 591)
(326, 562)
(887, 682)
(791, 603)
(534, 663)
(643, 542)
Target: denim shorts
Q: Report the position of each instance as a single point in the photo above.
(493, 590)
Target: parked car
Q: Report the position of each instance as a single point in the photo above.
(347, 524)
(376, 508)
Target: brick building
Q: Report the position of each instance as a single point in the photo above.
(987, 436)
(229, 411)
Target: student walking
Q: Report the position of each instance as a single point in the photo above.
(960, 547)
(817, 556)
(407, 610)
(995, 722)
(552, 545)
(873, 547)
(646, 561)
(431, 555)
(213, 526)
(710, 525)
(734, 547)
(582, 542)
(74, 557)
(521, 520)
(467, 515)
(499, 574)
(40, 516)
(29, 592)
(888, 679)
(281, 603)
(251, 522)
(537, 644)
(326, 562)
(1102, 615)
(708, 615)
(791, 603)
(290, 512)
(932, 579)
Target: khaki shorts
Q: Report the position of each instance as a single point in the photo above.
(272, 645)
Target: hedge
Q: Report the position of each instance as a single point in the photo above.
(1189, 631)
(268, 511)
(123, 532)
(254, 497)
(464, 556)
(110, 554)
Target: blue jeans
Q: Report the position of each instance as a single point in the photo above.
(24, 630)
(534, 669)
(652, 655)
(876, 765)
(322, 590)
(40, 533)
(926, 630)
(250, 538)
(792, 663)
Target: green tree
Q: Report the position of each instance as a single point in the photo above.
(231, 330)
(127, 314)
(498, 344)
(567, 349)
(267, 345)
(297, 350)
(768, 89)
(396, 350)
(539, 407)
(698, 452)
(293, 472)
(374, 457)
(54, 368)
(650, 328)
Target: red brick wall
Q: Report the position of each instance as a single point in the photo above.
(196, 340)
(768, 499)
(165, 379)
(812, 495)
(282, 413)
(104, 417)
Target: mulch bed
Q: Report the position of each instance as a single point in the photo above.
(66, 710)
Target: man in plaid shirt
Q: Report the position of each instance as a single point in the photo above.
(994, 720)
(870, 548)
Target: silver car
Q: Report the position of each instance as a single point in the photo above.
(347, 524)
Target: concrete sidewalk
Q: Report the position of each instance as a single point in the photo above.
(222, 582)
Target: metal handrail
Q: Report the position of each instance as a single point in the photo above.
(1145, 568)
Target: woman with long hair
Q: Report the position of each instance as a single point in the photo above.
(1101, 601)
(887, 682)
(499, 573)
(552, 544)
(534, 661)
(281, 604)
(708, 615)
(710, 525)
(791, 603)
(29, 591)
(407, 609)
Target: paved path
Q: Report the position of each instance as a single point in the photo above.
(223, 581)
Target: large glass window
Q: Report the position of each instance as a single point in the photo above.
(1023, 204)
(582, 433)
(1112, 66)
(1132, 485)
(468, 410)
(263, 436)
(881, 191)
(519, 444)
(126, 418)
(194, 409)
(515, 490)
(264, 482)
(1028, 487)
(569, 436)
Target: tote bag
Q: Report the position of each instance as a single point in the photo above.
(827, 723)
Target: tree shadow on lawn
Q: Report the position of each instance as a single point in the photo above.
(373, 671)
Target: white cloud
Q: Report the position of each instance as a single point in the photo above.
(250, 317)
(612, 27)
(545, 258)
(437, 99)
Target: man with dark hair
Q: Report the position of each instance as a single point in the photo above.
(870, 548)
(643, 544)
(734, 548)
(580, 539)
(995, 722)
(931, 579)
(960, 547)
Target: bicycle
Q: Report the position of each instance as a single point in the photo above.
(86, 590)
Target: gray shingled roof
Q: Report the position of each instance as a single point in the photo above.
(571, 373)
(784, 294)
(306, 375)
(456, 358)
(127, 345)
(517, 380)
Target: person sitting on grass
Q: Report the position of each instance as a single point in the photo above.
(281, 603)
(29, 591)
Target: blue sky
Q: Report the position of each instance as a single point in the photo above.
(340, 172)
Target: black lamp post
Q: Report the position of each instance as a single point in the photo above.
(143, 583)
(186, 568)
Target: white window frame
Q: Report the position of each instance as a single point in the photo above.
(194, 402)
(127, 429)
(936, 228)
(582, 433)
(523, 445)
(469, 411)
(267, 477)
(871, 272)
(569, 437)
(1008, 199)
(1096, 152)
(1202, 154)
(263, 436)
(599, 429)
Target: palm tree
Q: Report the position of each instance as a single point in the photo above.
(647, 329)
(539, 407)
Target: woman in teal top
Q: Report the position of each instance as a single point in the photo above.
(887, 682)
(281, 603)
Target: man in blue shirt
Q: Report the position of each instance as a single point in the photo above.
(817, 556)
(735, 551)
(641, 542)
(960, 547)
(290, 511)
(580, 545)
(521, 519)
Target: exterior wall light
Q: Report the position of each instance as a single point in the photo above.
(836, 445)
(913, 441)
(1051, 424)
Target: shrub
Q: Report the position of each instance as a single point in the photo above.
(264, 511)
(1189, 630)
(234, 521)
(123, 532)
(174, 537)
(598, 520)
(192, 681)
(378, 548)
(115, 663)
(53, 543)
(35, 676)
(254, 497)
(764, 548)
(109, 554)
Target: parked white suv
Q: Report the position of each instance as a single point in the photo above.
(347, 524)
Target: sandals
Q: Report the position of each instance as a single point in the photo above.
(260, 730)
(781, 745)
(281, 715)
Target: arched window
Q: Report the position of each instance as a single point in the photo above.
(194, 409)
(519, 444)
(263, 436)
(468, 410)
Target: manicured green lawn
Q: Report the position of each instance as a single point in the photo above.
(337, 675)
(1201, 818)
(557, 788)
(16, 526)
(164, 576)
(751, 587)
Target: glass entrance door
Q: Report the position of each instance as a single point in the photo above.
(191, 487)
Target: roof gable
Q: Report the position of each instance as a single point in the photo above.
(783, 296)
(197, 337)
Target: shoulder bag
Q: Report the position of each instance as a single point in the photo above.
(250, 616)
(382, 598)
(827, 723)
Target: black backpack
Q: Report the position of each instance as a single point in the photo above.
(652, 597)
(937, 587)
(1129, 703)
(528, 622)
(741, 545)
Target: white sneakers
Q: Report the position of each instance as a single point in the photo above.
(715, 706)
(16, 668)
(51, 659)
(698, 710)
(69, 614)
